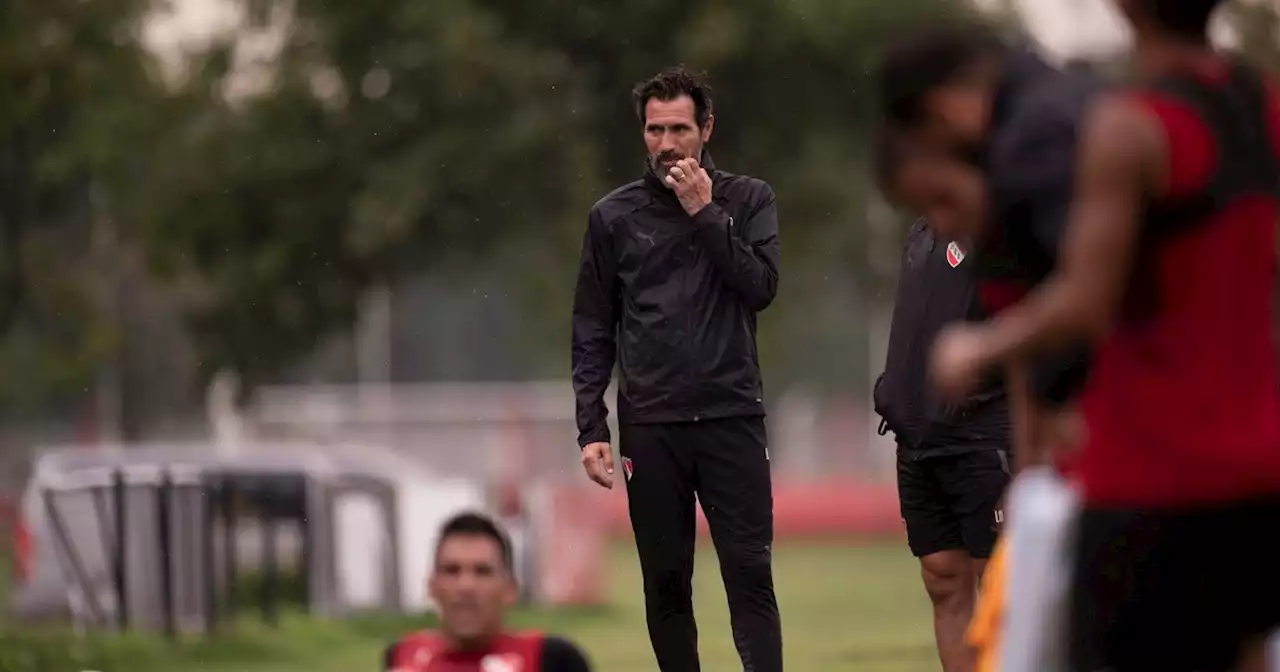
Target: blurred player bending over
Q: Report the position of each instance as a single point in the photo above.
(473, 585)
(964, 96)
(953, 459)
(979, 111)
(925, 175)
(1168, 266)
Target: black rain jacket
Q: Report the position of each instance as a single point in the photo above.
(672, 299)
(936, 287)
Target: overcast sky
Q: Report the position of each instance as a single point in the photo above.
(1065, 27)
(1071, 27)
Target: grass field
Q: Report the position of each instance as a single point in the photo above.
(845, 607)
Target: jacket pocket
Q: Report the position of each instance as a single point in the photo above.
(881, 398)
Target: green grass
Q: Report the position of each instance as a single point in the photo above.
(845, 607)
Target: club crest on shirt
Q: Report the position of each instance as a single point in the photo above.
(502, 663)
(955, 255)
(627, 468)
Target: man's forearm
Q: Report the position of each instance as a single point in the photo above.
(591, 412)
(736, 259)
(594, 329)
(1054, 316)
(593, 425)
(594, 354)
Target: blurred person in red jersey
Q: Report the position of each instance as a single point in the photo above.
(1168, 266)
(473, 586)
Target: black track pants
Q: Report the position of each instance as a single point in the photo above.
(724, 464)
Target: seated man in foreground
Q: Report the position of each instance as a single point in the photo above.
(473, 585)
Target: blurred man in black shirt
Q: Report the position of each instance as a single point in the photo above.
(965, 96)
(953, 459)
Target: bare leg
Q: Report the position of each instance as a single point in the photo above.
(951, 580)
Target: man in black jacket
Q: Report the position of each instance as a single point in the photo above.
(674, 268)
(953, 460)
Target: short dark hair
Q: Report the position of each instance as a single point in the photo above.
(671, 84)
(471, 524)
(1186, 18)
(919, 65)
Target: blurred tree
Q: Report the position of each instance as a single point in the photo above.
(793, 92)
(77, 96)
(393, 136)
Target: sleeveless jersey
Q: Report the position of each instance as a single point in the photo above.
(1183, 401)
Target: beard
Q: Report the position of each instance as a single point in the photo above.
(662, 161)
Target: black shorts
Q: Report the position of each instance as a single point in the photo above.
(1174, 591)
(951, 502)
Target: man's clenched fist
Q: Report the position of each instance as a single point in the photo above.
(958, 361)
(692, 185)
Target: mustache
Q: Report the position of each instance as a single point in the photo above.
(667, 157)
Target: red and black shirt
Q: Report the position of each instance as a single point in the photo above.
(521, 652)
(1183, 400)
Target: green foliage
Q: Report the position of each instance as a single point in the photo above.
(391, 137)
(75, 80)
(402, 134)
(396, 134)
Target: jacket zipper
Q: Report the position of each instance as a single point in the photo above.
(926, 299)
(688, 332)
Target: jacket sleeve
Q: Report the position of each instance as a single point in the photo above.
(596, 308)
(747, 260)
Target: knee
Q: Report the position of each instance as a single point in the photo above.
(748, 564)
(948, 579)
(669, 585)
